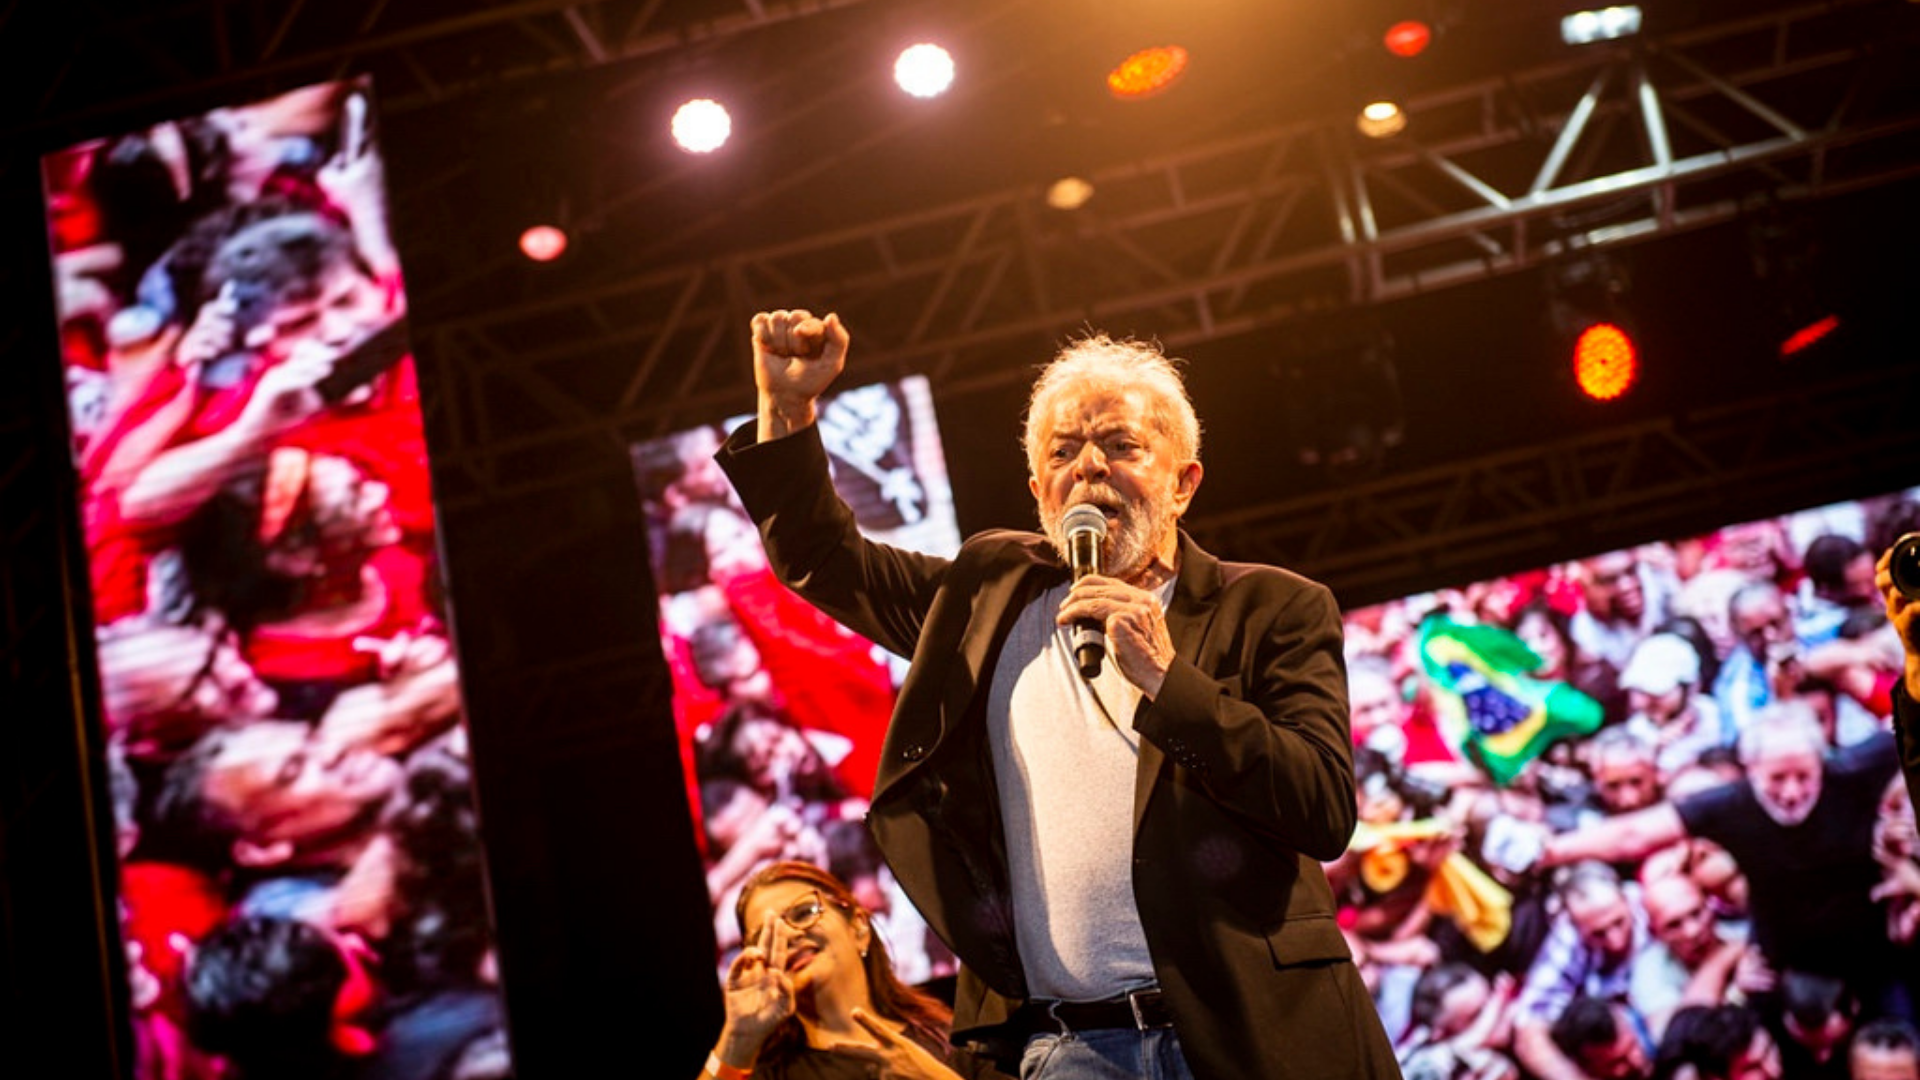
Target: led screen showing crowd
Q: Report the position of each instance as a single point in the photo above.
(300, 883)
(1640, 813)
(780, 711)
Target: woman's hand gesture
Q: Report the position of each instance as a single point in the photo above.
(899, 1057)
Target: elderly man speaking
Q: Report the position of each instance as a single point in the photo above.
(1116, 762)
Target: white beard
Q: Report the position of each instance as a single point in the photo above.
(1780, 814)
(1131, 542)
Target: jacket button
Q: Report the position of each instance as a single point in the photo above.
(913, 753)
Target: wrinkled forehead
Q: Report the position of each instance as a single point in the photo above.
(1785, 755)
(1595, 907)
(1083, 410)
(1082, 402)
(1671, 896)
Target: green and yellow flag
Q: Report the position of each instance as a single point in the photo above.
(1489, 704)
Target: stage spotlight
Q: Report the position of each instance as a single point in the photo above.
(543, 243)
(701, 126)
(1601, 24)
(1797, 286)
(1069, 193)
(1147, 72)
(924, 70)
(1587, 310)
(1340, 397)
(1808, 336)
(1381, 119)
(1606, 362)
(1407, 38)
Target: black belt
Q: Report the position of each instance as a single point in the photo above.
(1140, 1010)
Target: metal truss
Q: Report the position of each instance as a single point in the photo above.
(1240, 233)
(96, 57)
(1853, 436)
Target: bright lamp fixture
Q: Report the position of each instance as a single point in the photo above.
(1147, 72)
(1381, 119)
(1069, 193)
(924, 70)
(701, 126)
(543, 243)
(1601, 24)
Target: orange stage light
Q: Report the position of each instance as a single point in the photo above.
(1147, 72)
(1605, 362)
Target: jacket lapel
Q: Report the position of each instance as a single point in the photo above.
(1196, 592)
(1005, 583)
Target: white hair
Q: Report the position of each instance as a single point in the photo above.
(1791, 723)
(1100, 361)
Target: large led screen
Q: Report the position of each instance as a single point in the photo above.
(300, 879)
(780, 710)
(1618, 812)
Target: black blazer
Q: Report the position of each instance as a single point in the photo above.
(1245, 779)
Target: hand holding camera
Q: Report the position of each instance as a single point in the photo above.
(1902, 564)
(1898, 578)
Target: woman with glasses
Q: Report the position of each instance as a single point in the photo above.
(813, 995)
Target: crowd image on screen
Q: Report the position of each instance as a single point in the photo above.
(1640, 814)
(781, 711)
(301, 889)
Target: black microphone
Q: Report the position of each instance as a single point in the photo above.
(1086, 527)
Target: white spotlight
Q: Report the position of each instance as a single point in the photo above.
(924, 70)
(701, 126)
(1600, 24)
(1381, 119)
(1069, 193)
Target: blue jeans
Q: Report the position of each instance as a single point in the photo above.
(1106, 1054)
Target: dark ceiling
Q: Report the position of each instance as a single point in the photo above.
(1237, 217)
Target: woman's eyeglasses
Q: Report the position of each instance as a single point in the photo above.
(803, 913)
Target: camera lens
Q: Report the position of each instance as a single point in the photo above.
(1905, 565)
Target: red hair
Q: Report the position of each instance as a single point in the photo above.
(928, 1019)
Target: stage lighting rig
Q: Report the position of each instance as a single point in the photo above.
(1788, 265)
(924, 70)
(1340, 394)
(1594, 331)
(1389, 46)
(1601, 24)
(1069, 193)
(702, 126)
(1408, 38)
(1404, 30)
(1147, 72)
(1381, 119)
(543, 243)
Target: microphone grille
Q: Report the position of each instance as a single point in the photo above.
(1085, 517)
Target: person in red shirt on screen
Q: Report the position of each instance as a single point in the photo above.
(304, 558)
(288, 299)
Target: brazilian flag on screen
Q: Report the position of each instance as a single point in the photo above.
(1488, 702)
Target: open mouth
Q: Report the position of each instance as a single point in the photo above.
(800, 957)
